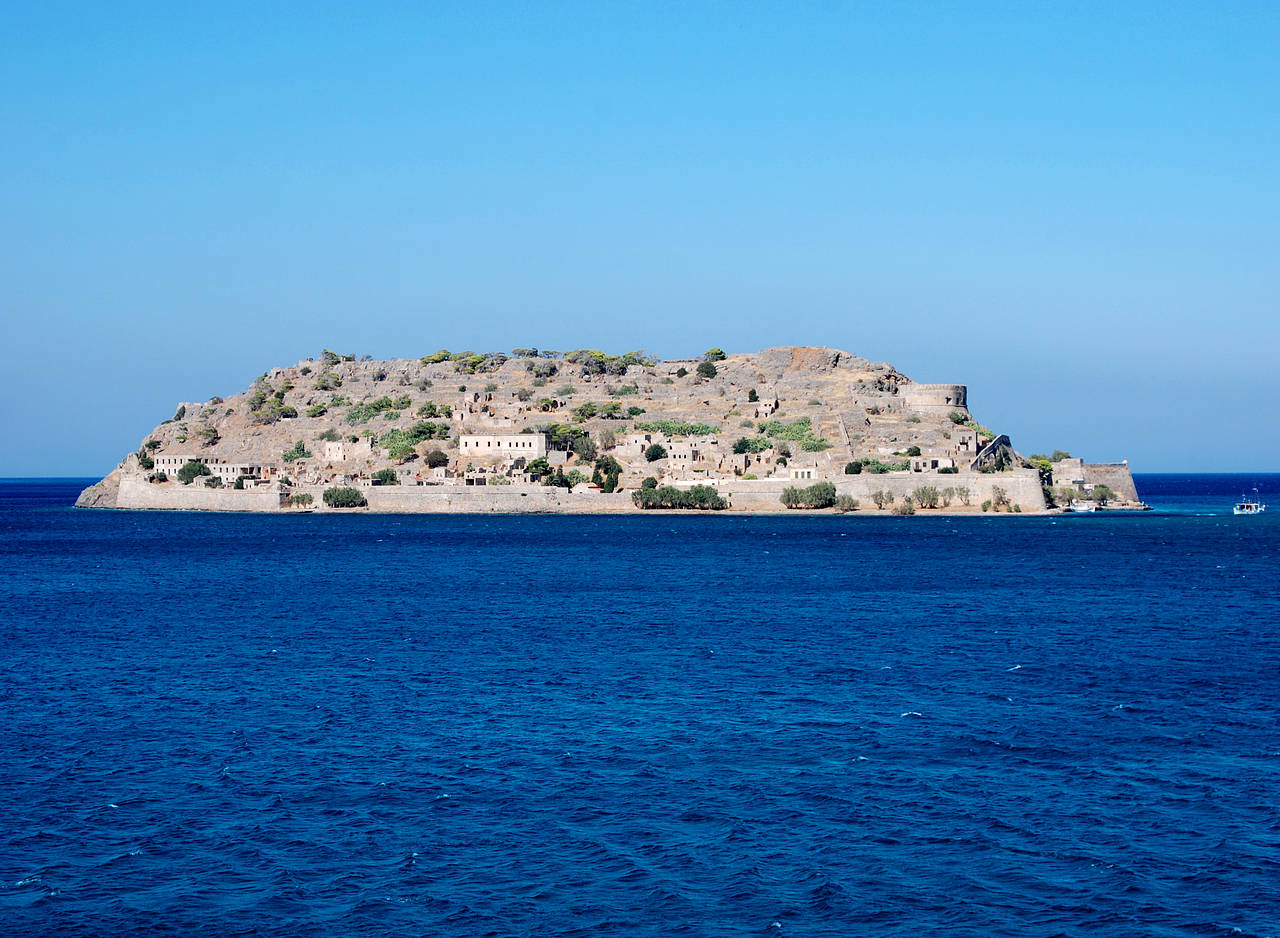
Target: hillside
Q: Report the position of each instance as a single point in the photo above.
(748, 425)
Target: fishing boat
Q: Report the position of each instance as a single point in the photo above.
(1249, 505)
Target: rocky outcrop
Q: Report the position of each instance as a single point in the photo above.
(104, 494)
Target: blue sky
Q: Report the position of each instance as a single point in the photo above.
(1072, 209)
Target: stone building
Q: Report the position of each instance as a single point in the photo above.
(502, 445)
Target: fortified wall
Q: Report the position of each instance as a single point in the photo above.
(136, 492)
(1022, 487)
(1114, 475)
(934, 398)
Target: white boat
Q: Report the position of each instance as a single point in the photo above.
(1249, 505)
(1078, 505)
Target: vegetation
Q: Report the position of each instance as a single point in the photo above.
(191, 471)
(882, 499)
(958, 418)
(299, 451)
(386, 477)
(698, 497)
(707, 371)
(431, 409)
(300, 500)
(877, 467)
(401, 443)
(655, 452)
(344, 497)
(926, 496)
(800, 431)
(363, 412)
(436, 458)
(818, 495)
(714, 355)
(853, 468)
(756, 444)
(846, 503)
(681, 371)
(752, 396)
(607, 472)
(675, 427)
(318, 410)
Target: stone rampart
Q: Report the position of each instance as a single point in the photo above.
(1115, 476)
(1022, 486)
(484, 498)
(138, 493)
(934, 398)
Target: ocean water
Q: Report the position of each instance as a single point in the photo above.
(649, 726)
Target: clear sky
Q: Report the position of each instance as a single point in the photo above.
(1071, 208)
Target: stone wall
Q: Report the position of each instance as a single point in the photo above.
(500, 499)
(1115, 476)
(1021, 485)
(136, 492)
(934, 398)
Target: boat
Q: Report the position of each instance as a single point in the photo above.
(1249, 505)
(1079, 506)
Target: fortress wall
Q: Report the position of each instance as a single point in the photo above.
(1022, 487)
(934, 398)
(137, 493)
(1115, 476)
(501, 499)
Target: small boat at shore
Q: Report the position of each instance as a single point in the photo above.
(1079, 506)
(1249, 505)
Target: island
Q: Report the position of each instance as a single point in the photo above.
(784, 429)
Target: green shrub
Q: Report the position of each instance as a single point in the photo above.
(799, 431)
(926, 496)
(714, 355)
(853, 468)
(681, 371)
(698, 497)
(436, 458)
(386, 477)
(913, 451)
(655, 452)
(846, 503)
(675, 427)
(160, 477)
(958, 418)
(882, 499)
(300, 500)
(344, 497)
(299, 451)
(649, 483)
(318, 410)
(818, 495)
(213, 482)
(751, 445)
(191, 471)
(752, 396)
(707, 371)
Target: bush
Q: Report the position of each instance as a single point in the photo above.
(386, 477)
(699, 497)
(818, 495)
(853, 468)
(344, 497)
(714, 355)
(846, 503)
(319, 410)
(300, 500)
(299, 451)
(213, 482)
(649, 483)
(882, 499)
(751, 445)
(436, 458)
(655, 452)
(958, 418)
(161, 477)
(906, 508)
(913, 451)
(706, 371)
(800, 431)
(681, 371)
(675, 427)
(926, 496)
(752, 396)
(191, 471)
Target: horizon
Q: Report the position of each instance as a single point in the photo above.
(1070, 211)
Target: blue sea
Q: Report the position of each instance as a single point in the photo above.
(641, 726)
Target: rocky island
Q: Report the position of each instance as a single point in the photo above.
(791, 428)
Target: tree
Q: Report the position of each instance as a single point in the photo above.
(926, 496)
(913, 451)
(853, 468)
(846, 503)
(386, 477)
(436, 458)
(962, 492)
(1100, 494)
(192, 470)
(649, 483)
(299, 451)
(752, 396)
(344, 497)
(706, 371)
(655, 452)
(714, 355)
(882, 499)
(584, 448)
(538, 467)
(681, 371)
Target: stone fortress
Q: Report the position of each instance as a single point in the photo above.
(533, 430)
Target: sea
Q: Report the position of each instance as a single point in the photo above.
(650, 725)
